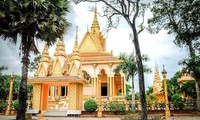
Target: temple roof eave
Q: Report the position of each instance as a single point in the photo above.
(100, 62)
(57, 80)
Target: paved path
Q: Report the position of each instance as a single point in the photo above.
(3, 117)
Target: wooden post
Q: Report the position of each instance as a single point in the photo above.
(167, 110)
(10, 95)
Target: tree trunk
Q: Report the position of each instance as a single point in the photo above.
(197, 83)
(140, 73)
(23, 84)
(133, 94)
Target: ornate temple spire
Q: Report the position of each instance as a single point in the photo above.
(60, 48)
(95, 25)
(157, 85)
(76, 50)
(76, 41)
(45, 54)
(157, 75)
(42, 69)
(75, 63)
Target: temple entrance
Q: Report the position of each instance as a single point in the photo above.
(58, 97)
(104, 83)
(104, 90)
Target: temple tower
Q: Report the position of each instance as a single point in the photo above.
(157, 85)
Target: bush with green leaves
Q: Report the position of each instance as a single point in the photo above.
(90, 105)
(117, 108)
(3, 104)
(178, 101)
(16, 104)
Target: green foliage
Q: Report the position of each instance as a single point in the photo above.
(189, 89)
(151, 99)
(178, 101)
(34, 63)
(193, 66)
(137, 96)
(90, 105)
(5, 86)
(149, 90)
(16, 104)
(2, 68)
(179, 17)
(117, 108)
(173, 86)
(29, 88)
(128, 65)
(3, 104)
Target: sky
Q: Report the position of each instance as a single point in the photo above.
(159, 47)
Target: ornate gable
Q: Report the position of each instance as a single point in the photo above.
(57, 69)
(41, 71)
(89, 44)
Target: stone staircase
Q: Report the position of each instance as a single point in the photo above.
(61, 112)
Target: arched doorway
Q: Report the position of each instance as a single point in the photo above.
(118, 84)
(104, 84)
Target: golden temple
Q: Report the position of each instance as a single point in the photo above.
(70, 79)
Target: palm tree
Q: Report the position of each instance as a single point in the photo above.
(31, 20)
(129, 68)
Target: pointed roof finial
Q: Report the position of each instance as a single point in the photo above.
(164, 71)
(60, 48)
(45, 54)
(76, 54)
(76, 40)
(95, 10)
(95, 25)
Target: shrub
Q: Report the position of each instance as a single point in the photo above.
(90, 105)
(117, 108)
(3, 104)
(178, 101)
(16, 104)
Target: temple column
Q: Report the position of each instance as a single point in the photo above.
(97, 86)
(124, 86)
(110, 85)
(37, 96)
(113, 87)
(94, 86)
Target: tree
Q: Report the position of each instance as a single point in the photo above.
(34, 63)
(173, 86)
(150, 90)
(5, 83)
(2, 68)
(193, 66)
(129, 67)
(31, 20)
(130, 10)
(179, 17)
(178, 101)
(189, 89)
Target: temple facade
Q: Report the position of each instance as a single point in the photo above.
(67, 80)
